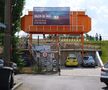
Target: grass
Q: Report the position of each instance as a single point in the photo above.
(103, 44)
(104, 48)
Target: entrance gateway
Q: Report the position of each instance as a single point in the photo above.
(56, 20)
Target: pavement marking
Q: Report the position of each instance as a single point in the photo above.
(82, 75)
(17, 85)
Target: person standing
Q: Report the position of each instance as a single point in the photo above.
(96, 37)
(100, 37)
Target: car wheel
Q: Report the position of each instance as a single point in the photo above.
(94, 66)
(11, 82)
(8, 86)
(106, 83)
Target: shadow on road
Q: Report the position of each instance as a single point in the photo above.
(79, 67)
(105, 88)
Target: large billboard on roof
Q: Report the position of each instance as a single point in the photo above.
(51, 16)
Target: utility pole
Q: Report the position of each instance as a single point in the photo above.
(7, 37)
(58, 47)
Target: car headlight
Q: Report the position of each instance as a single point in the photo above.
(104, 74)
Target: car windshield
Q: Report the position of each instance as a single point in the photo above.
(85, 58)
(91, 58)
(1, 61)
(71, 57)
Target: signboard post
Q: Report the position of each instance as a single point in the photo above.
(51, 16)
(38, 56)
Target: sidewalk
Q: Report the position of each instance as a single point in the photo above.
(81, 72)
(18, 82)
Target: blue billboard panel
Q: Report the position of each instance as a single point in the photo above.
(51, 16)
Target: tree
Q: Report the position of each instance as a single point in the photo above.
(89, 37)
(17, 7)
(2, 4)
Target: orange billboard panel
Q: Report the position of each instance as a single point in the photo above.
(79, 23)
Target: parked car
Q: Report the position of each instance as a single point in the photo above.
(1, 63)
(88, 61)
(6, 78)
(104, 74)
(71, 60)
(15, 68)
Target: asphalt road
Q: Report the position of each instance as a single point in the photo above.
(67, 81)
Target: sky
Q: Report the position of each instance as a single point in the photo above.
(96, 9)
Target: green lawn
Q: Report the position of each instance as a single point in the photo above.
(104, 48)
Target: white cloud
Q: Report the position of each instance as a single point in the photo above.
(29, 4)
(53, 3)
(96, 9)
(73, 4)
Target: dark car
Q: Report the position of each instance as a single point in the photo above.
(104, 74)
(1, 63)
(6, 78)
(88, 61)
(15, 68)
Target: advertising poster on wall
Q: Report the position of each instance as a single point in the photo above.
(51, 16)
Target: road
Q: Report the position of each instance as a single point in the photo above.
(67, 81)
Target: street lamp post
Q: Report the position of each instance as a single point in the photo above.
(7, 37)
(58, 44)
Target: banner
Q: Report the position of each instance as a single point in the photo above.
(51, 16)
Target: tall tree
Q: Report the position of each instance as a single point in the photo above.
(2, 4)
(17, 7)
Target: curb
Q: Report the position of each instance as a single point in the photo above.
(17, 85)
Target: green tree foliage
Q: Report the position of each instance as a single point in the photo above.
(89, 37)
(17, 7)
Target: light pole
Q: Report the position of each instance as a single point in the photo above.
(7, 37)
(58, 45)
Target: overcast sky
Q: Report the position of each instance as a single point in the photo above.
(96, 9)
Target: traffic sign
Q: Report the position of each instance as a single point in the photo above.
(45, 54)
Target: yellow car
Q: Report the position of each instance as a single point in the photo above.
(71, 61)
